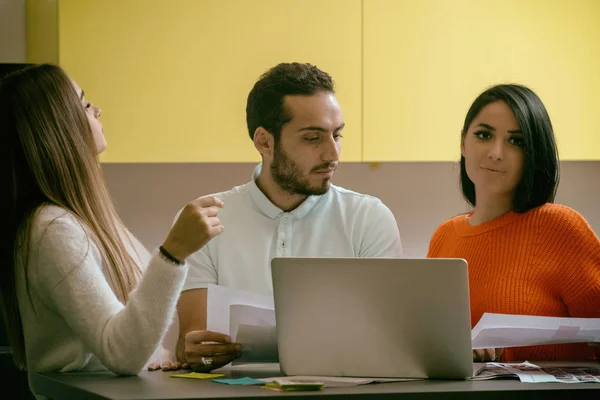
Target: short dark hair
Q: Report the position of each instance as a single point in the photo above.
(265, 101)
(541, 173)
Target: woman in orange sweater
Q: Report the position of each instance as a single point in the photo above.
(525, 254)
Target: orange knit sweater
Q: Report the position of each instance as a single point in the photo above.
(544, 262)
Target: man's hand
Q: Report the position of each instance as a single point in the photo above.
(206, 350)
(484, 355)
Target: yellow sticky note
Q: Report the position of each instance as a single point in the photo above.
(197, 375)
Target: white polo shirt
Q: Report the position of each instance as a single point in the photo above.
(340, 223)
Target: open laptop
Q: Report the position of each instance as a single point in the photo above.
(373, 317)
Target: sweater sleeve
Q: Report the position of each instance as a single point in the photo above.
(66, 270)
(579, 284)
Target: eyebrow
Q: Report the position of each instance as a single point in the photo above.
(81, 95)
(320, 129)
(491, 128)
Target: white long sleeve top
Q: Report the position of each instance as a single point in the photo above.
(72, 320)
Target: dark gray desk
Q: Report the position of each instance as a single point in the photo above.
(158, 385)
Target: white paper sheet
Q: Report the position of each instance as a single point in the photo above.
(254, 328)
(219, 301)
(248, 318)
(506, 330)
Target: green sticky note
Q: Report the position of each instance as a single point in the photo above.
(197, 375)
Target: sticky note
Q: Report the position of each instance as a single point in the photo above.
(197, 375)
(240, 381)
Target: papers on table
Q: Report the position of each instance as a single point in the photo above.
(531, 373)
(505, 330)
(334, 381)
(249, 319)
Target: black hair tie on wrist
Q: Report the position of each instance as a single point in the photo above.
(169, 257)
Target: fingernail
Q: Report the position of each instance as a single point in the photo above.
(238, 347)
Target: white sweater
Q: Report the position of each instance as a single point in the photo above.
(73, 321)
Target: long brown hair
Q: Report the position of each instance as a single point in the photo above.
(48, 156)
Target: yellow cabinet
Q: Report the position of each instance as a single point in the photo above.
(172, 77)
(425, 61)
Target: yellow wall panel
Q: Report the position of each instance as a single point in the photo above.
(172, 77)
(42, 31)
(425, 61)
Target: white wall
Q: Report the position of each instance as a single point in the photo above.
(421, 195)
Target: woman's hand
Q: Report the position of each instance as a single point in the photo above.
(197, 224)
(165, 361)
(484, 355)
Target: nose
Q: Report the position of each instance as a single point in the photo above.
(496, 152)
(331, 150)
(97, 112)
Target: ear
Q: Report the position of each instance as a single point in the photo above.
(264, 142)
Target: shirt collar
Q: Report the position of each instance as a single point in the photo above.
(269, 209)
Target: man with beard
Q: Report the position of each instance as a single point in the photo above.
(289, 208)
